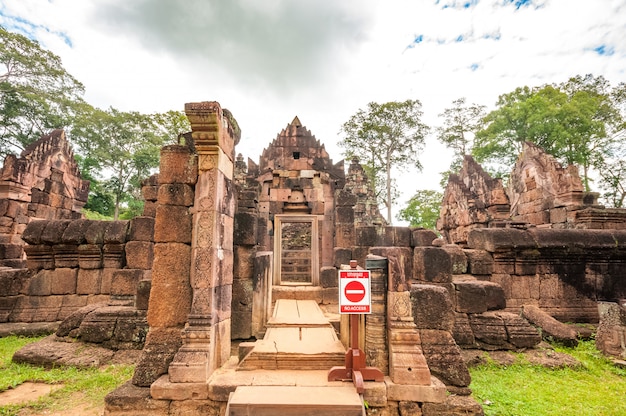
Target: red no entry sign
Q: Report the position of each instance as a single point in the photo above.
(354, 291)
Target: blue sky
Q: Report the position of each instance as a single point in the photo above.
(322, 59)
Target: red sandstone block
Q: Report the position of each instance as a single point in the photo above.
(178, 165)
(141, 229)
(124, 282)
(175, 194)
(41, 283)
(105, 282)
(243, 261)
(172, 224)
(432, 264)
(89, 281)
(170, 285)
(150, 192)
(149, 209)
(63, 281)
(116, 232)
(139, 255)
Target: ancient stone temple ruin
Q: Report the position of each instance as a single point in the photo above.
(228, 282)
(43, 183)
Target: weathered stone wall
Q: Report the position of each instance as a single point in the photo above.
(74, 263)
(43, 183)
(564, 272)
(472, 199)
(544, 193)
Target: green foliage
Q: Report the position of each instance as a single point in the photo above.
(36, 93)
(577, 122)
(422, 209)
(126, 145)
(460, 124)
(383, 137)
(596, 388)
(92, 384)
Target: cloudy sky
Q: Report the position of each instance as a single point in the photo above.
(270, 60)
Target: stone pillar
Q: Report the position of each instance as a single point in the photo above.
(170, 293)
(206, 338)
(407, 364)
(376, 353)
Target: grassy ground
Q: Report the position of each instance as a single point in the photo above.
(80, 387)
(596, 388)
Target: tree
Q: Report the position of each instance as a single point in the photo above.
(570, 121)
(126, 144)
(385, 136)
(460, 123)
(36, 92)
(422, 209)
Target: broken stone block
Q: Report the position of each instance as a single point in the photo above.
(550, 327)
(444, 357)
(520, 333)
(432, 307)
(489, 331)
(477, 296)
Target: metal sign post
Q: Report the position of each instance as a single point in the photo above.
(355, 299)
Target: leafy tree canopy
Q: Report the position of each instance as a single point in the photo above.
(577, 122)
(126, 145)
(422, 209)
(385, 136)
(36, 92)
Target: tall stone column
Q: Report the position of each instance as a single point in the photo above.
(206, 338)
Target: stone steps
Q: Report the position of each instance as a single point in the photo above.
(295, 401)
(298, 336)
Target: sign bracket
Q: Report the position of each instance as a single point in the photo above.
(355, 368)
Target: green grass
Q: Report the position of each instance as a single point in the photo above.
(87, 385)
(596, 388)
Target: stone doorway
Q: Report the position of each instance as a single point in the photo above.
(296, 252)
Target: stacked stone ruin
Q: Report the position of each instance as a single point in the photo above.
(221, 242)
(43, 183)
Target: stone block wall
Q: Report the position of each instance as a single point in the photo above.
(43, 183)
(74, 263)
(564, 272)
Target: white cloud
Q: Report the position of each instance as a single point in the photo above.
(322, 59)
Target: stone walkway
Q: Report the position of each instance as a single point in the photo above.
(298, 336)
(287, 371)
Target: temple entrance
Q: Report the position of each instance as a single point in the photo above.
(296, 252)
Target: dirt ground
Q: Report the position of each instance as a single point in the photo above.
(28, 391)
